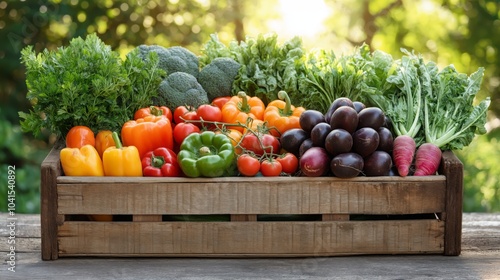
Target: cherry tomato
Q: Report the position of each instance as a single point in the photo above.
(248, 165)
(182, 130)
(79, 136)
(260, 143)
(270, 167)
(271, 143)
(289, 162)
(209, 113)
(220, 101)
(186, 113)
(104, 140)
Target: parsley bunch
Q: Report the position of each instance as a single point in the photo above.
(86, 83)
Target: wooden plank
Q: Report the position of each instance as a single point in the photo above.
(251, 238)
(274, 197)
(50, 170)
(453, 169)
(232, 180)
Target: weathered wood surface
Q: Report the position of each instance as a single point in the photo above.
(279, 195)
(251, 239)
(480, 259)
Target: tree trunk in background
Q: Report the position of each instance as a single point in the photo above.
(370, 28)
(238, 13)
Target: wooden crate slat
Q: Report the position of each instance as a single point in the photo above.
(251, 238)
(50, 170)
(309, 197)
(453, 169)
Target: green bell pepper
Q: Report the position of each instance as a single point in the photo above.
(206, 154)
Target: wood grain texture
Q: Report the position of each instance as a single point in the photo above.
(251, 238)
(50, 171)
(304, 196)
(453, 169)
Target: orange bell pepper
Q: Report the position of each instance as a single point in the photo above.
(148, 133)
(282, 115)
(104, 140)
(84, 161)
(120, 160)
(153, 111)
(79, 136)
(233, 135)
(241, 107)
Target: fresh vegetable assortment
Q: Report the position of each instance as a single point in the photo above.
(254, 108)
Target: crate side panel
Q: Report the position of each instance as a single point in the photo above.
(303, 197)
(251, 238)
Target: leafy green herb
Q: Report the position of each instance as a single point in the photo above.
(451, 119)
(403, 104)
(358, 76)
(86, 83)
(433, 106)
(267, 66)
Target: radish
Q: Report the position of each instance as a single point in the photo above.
(427, 159)
(403, 153)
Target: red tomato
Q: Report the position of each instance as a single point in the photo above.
(79, 136)
(248, 165)
(220, 101)
(209, 113)
(182, 130)
(289, 162)
(261, 143)
(186, 113)
(269, 167)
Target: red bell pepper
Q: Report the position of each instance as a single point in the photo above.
(153, 111)
(161, 162)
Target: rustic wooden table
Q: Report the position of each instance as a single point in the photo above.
(480, 259)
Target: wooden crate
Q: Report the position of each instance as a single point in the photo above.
(250, 217)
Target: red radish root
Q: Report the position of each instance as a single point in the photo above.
(427, 159)
(403, 152)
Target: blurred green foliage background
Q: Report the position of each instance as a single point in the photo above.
(460, 32)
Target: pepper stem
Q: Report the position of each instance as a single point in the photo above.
(244, 102)
(204, 151)
(157, 161)
(288, 104)
(155, 111)
(116, 138)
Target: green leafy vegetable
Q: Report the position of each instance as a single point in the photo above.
(451, 119)
(358, 76)
(267, 66)
(402, 93)
(86, 83)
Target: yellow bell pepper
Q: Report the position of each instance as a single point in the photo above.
(84, 161)
(121, 161)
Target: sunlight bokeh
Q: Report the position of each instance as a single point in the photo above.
(299, 19)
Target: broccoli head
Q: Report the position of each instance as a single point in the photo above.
(218, 76)
(173, 59)
(178, 89)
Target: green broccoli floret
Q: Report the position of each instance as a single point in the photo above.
(173, 59)
(179, 89)
(218, 76)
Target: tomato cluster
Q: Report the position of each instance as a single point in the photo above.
(249, 165)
